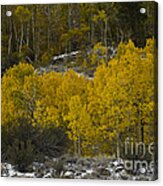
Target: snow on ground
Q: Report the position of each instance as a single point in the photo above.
(7, 170)
(62, 56)
(78, 168)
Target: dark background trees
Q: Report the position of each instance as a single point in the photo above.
(36, 33)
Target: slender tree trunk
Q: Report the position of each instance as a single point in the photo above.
(49, 27)
(92, 26)
(58, 19)
(79, 145)
(10, 38)
(102, 32)
(33, 32)
(21, 38)
(27, 37)
(92, 33)
(105, 33)
(38, 44)
(75, 148)
(105, 39)
(16, 38)
(37, 37)
(142, 132)
(69, 25)
(118, 143)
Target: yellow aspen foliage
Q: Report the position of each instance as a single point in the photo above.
(79, 126)
(97, 114)
(46, 111)
(72, 84)
(14, 95)
(122, 96)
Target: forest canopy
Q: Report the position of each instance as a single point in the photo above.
(37, 33)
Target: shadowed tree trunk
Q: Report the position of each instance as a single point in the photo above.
(21, 38)
(10, 37)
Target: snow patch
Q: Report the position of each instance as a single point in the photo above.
(62, 56)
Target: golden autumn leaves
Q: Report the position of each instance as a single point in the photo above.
(97, 114)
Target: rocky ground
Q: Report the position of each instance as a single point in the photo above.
(77, 168)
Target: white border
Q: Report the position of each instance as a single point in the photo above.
(60, 1)
(61, 182)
